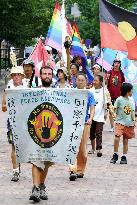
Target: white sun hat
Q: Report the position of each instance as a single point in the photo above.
(17, 69)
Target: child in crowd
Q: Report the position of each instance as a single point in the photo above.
(96, 128)
(125, 122)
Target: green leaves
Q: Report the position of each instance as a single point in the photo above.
(23, 20)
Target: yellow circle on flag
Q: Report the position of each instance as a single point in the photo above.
(127, 31)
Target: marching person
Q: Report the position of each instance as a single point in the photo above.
(62, 81)
(78, 60)
(114, 79)
(78, 170)
(96, 69)
(16, 76)
(29, 78)
(29, 70)
(96, 128)
(74, 69)
(40, 168)
(125, 122)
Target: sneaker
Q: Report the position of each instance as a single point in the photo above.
(15, 177)
(111, 130)
(123, 160)
(80, 175)
(114, 158)
(73, 176)
(35, 196)
(91, 151)
(99, 154)
(43, 193)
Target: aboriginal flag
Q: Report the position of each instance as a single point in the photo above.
(118, 29)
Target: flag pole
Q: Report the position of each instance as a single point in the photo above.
(63, 28)
(68, 60)
(102, 57)
(64, 39)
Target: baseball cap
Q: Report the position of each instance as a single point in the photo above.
(28, 62)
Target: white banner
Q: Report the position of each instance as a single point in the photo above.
(47, 124)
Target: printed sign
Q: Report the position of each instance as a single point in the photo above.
(47, 124)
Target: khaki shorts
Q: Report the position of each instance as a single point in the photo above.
(42, 164)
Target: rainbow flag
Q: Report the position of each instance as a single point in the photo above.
(59, 28)
(54, 35)
(77, 50)
(69, 29)
(75, 29)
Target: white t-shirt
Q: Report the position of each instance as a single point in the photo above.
(25, 82)
(101, 100)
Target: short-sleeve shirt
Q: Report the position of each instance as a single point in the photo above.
(91, 102)
(124, 108)
(100, 99)
(73, 81)
(67, 85)
(115, 82)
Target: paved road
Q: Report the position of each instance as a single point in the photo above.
(103, 184)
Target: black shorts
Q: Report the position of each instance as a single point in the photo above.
(96, 129)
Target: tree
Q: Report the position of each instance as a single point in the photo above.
(22, 20)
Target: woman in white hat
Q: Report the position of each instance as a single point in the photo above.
(16, 76)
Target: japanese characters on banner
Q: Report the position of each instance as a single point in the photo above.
(47, 124)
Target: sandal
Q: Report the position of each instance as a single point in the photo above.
(91, 152)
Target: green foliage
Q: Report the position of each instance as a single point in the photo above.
(22, 20)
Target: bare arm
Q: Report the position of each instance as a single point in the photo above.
(92, 111)
(4, 106)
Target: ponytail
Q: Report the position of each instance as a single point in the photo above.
(31, 80)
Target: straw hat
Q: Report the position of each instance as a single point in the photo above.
(17, 69)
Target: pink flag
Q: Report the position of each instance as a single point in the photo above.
(106, 65)
(40, 57)
(69, 28)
